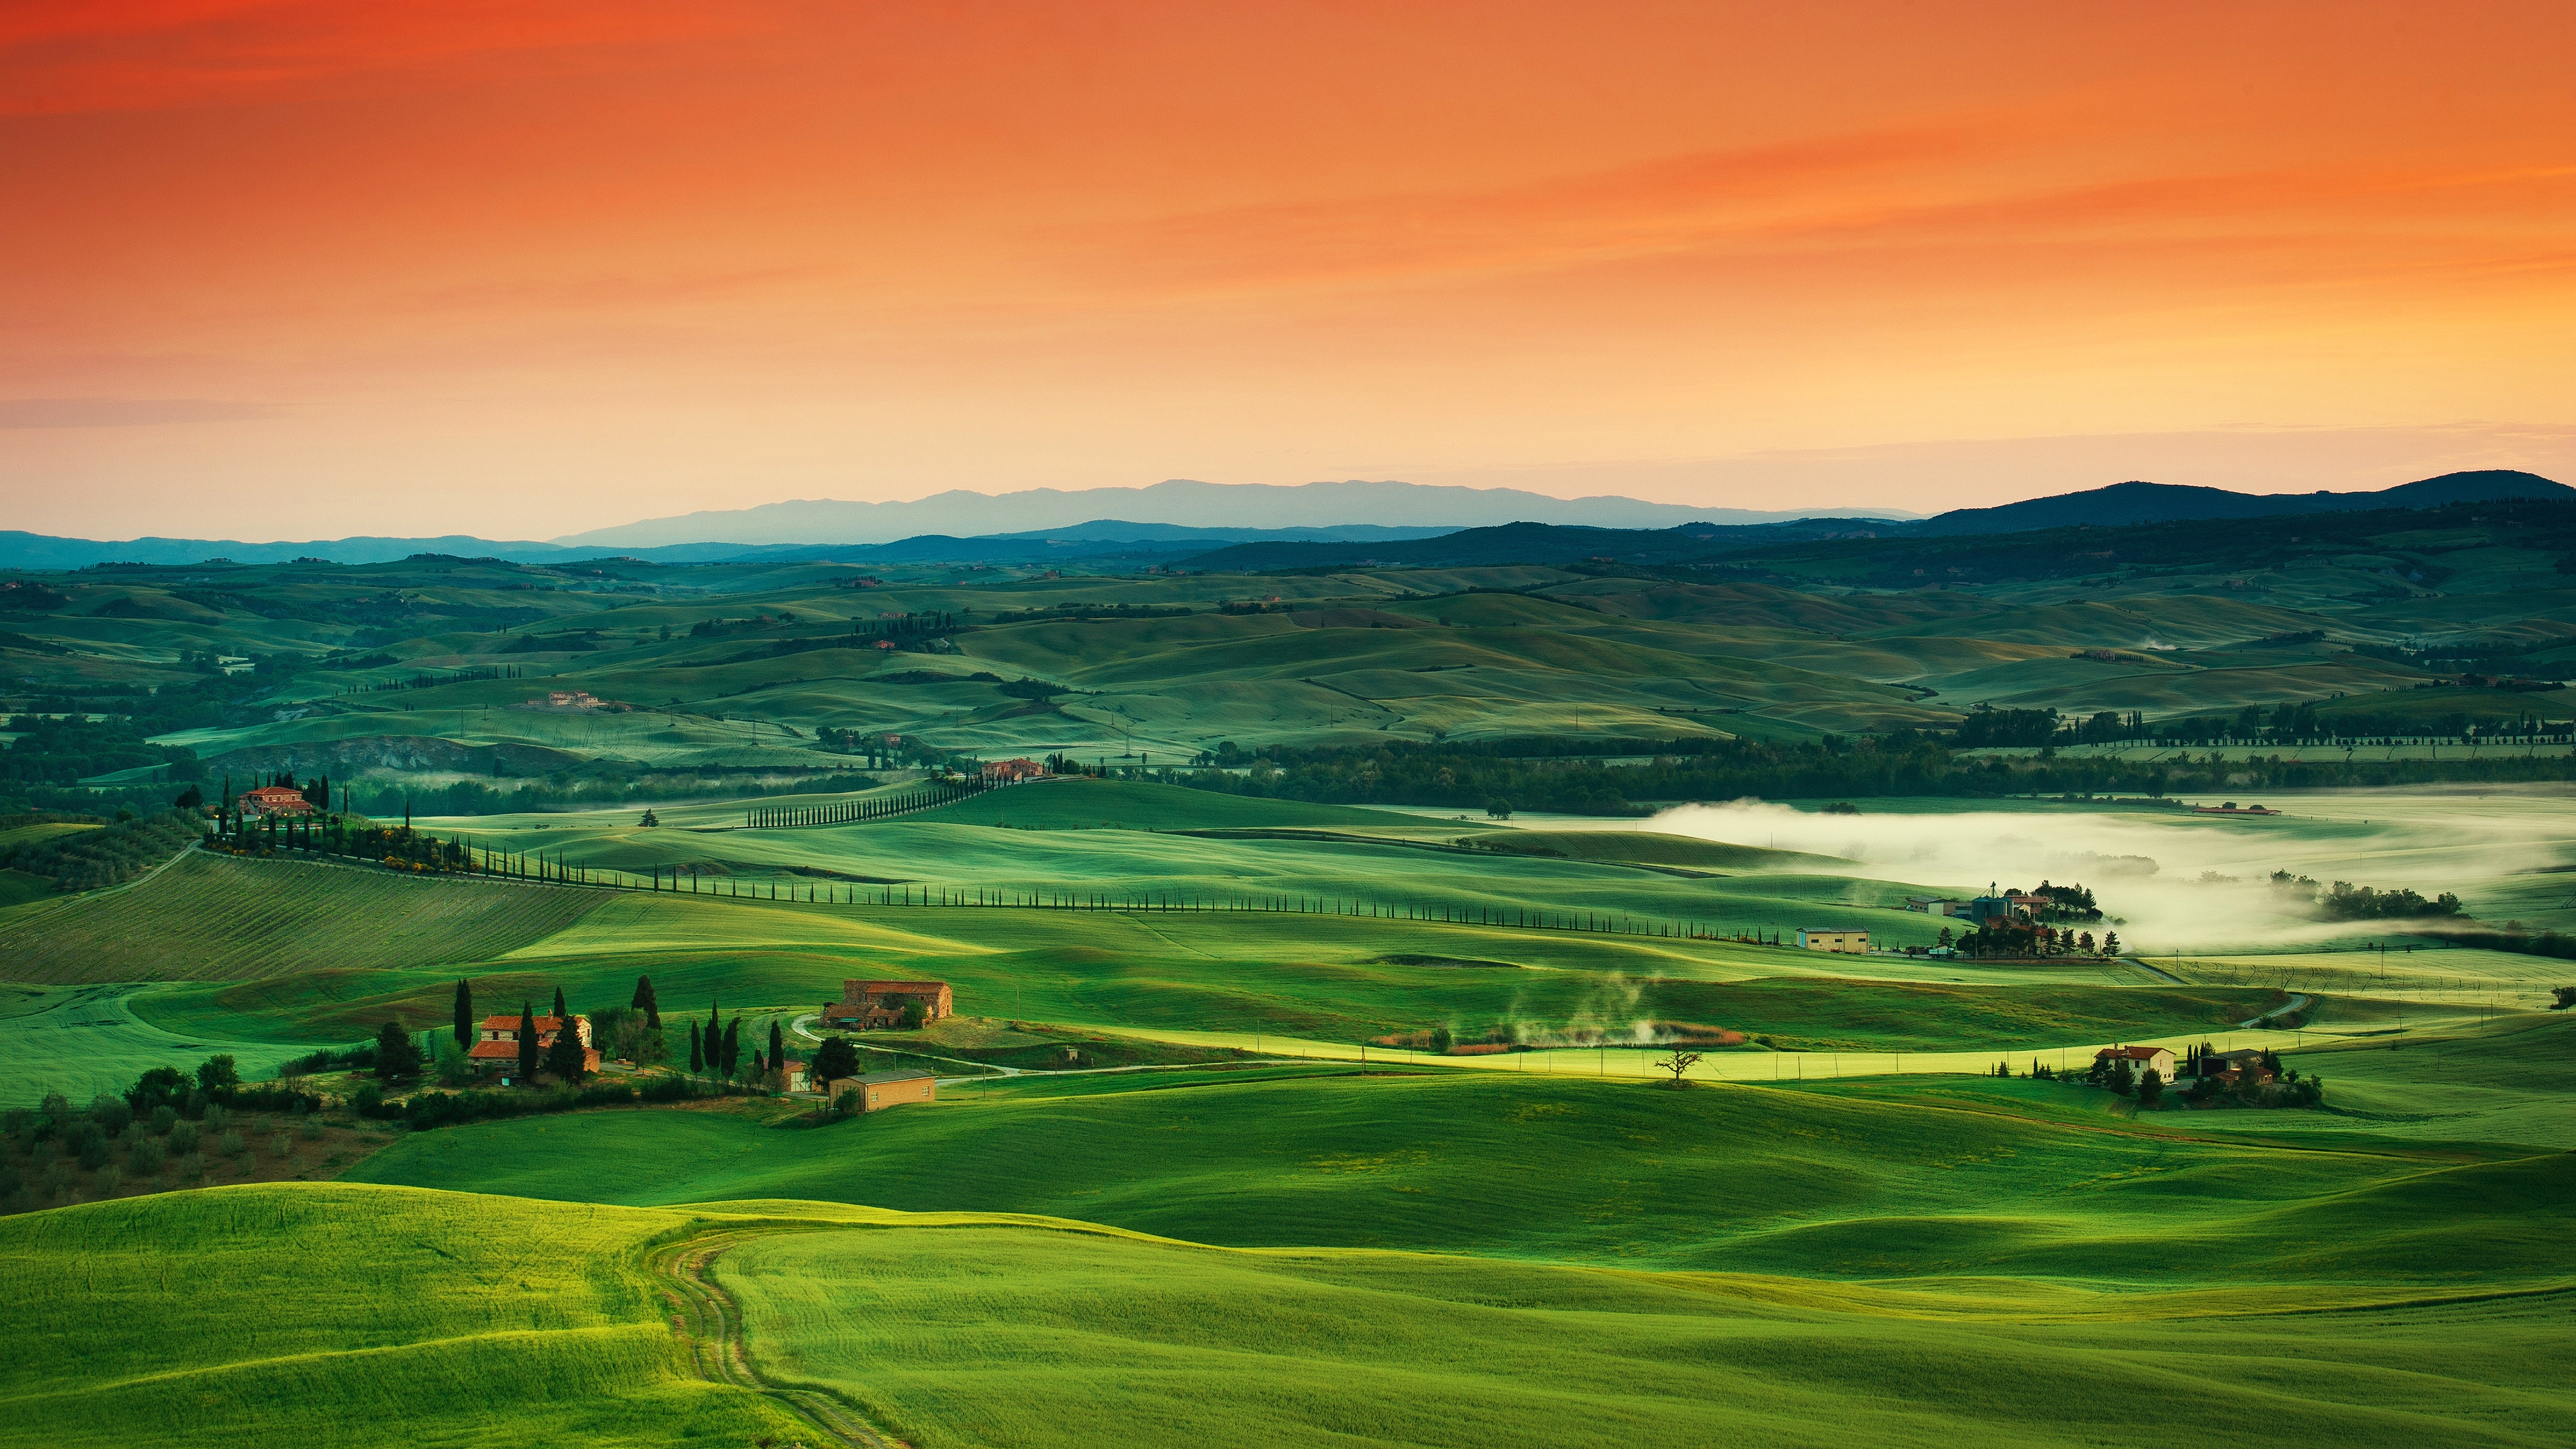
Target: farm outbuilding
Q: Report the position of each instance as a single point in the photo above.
(1815, 939)
(880, 1090)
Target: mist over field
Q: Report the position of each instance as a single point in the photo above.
(2172, 881)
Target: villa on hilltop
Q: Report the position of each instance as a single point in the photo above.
(496, 1046)
(875, 1005)
(275, 800)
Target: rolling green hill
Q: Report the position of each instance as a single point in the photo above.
(349, 1316)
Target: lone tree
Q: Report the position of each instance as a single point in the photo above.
(1679, 1064)
(2566, 997)
(1498, 809)
(645, 1003)
(650, 820)
(836, 1060)
(464, 1015)
(565, 1057)
(527, 1044)
(397, 1055)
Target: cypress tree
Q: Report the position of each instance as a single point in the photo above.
(566, 1058)
(464, 1015)
(777, 1045)
(697, 1057)
(645, 1003)
(559, 1006)
(527, 1045)
(732, 1044)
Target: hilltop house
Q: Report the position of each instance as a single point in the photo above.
(1012, 772)
(872, 1005)
(2141, 1060)
(880, 1090)
(275, 800)
(1852, 942)
(496, 1046)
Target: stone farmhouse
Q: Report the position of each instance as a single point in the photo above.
(874, 1005)
(496, 1046)
(274, 800)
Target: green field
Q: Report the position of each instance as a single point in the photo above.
(972, 1335)
(350, 1316)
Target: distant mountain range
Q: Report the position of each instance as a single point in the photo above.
(1179, 501)
(2117, 505)
(1249, 542)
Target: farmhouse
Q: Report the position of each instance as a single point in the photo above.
(870, 1005)
(2141, 1060)
(275, 800)
(880, 1090)
(1812, 939)
(2248, 1068)
(1011, 772)
(496, 1045)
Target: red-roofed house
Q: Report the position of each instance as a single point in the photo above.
(866, 1005)
(1011, 772)
(275, 800)
(2141, 1060)
(496, 1046)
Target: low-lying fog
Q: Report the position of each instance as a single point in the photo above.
(2147, 866)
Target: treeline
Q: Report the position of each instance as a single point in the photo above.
(58, 750)
(1904, 763)
(2344, 901)
(115, 852)
(425, 1110)
(473, 797)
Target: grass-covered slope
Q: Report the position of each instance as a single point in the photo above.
(1024, 1336)
(211, 917)
(2040, 1183)
(332, 1316)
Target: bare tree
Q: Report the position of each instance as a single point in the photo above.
(1679, 1064)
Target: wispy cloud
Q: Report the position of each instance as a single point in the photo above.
(125, 412)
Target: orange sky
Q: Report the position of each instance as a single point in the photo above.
(302, 270)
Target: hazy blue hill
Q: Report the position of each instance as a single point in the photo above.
(2137, 502)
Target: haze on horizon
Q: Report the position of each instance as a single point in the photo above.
(297, 270)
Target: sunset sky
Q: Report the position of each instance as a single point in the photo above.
(299, 270)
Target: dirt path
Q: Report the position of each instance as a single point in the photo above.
(709, 1321)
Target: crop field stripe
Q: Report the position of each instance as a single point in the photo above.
(211, 917)
(788, 817)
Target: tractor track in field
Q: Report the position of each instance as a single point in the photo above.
(710, 1322)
